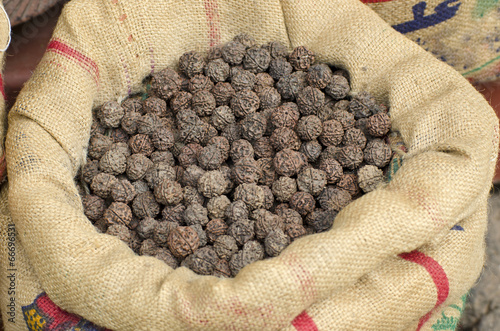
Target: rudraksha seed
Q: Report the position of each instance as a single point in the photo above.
(146, 227)
(266, 170)
(217, 70)
(225, 246)
(89, 170)
(168, 192)
(237, 210)
(223, 92)
(212, 183)
(121, 147)
(119, 136)
(189, 155)
(295, 231)
(265, 222)
(286, 116)
(256, 59)
(191, 195)
(289, 215)
(245, 39)
(330, 152)
(334, 198)
(179, 173)
(141, 143)
(269, 98)
(233, 52)
(214, 52)
(241, 149)
(284, 188)
(191, 63)
(321, 220)
(281, 207)
(246, 170)
(362, 105)
(268, 197)
(162, 230)
(301, 58)
(344, 117)
(221, 269)
(362, 124)
(166, 83)
(211, 157)
(251, 194)
(310, 100)
(203, 261)
(96, 127)
(140, 186)
(354, 136)
(319, 76)
(123, 191)
(379, 124)
(244, 102)
(349, 183)
(246, 256)
(102, 184)
(221, 117)
(369, 178)
(253, 126)
(242, 231)
(338, 88)
(288, 162)
(302, 202)
(110, 114)
(195, 214)
(93, 206)
(183, 241)
(289, 86)
(275, 242)
(285, 138)
(279, 67)
(120, 231)
(263, 149)
(162, 138)
(350, 156)
(191, 175)
(309, 127)
(200, 83)
(276, 49)
(181, 101)
(156, 106)
(332, 134)
(311, 180)
(137, 166)
(158, 172)
(201, 234)
(148, 248)
(133, 105)
(173, 213)
(232, 132)
(203, 103)
(145, 205)
(222, 144)
(166, 256)
(311, 149)
(118, 213)
(215, 228)
(129, 122)
(186, 117)
(113, 162)
(98, 145)
(262, 80)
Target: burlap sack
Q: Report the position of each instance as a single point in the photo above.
(394, 259)
(465, 34)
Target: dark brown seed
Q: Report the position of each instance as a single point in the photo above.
(301, 58)
(183, 241)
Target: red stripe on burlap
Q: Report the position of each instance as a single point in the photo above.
(304, 322)
(57, 46)
(3, 168)
(213, 21)
(2, 90)
(437, 274)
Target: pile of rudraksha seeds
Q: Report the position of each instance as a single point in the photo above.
(233, 157)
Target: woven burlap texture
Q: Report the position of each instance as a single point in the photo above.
(347, 278)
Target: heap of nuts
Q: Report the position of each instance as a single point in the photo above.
(229, 160)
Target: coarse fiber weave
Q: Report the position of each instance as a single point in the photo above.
(399, 258)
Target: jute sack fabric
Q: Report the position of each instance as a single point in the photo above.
(464, 34)
(393, 259)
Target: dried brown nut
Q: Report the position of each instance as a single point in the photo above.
(262, 148)
(245, 39)
(332, 134)
(225, 246)
(217, 70)
(183, 241)
(98, 145)
(262, 80)
(276, 49)
(195, 214)
(370, 177)
(302, 202)
(311, 180)
(253, 126)
(146, 227)
(148, 247)
(89, 170)
(284, 188)
(110, 114)
(295, 231)
(362, 105)
(289, 86)
(120, 231)
(189, 155)
(123, 191)
(168, 192)
(350, 156)
(236, 211)
(191, 175)
(256, 59)
(148, 123)
(166, 256)
(266, 171)
(286, 115)
(269, 98)
(311, 149)
(288, 162)
(321, 220)
(215, 228)
(140, 186)
(199, 83)
(246, 170)
(379, 124)
(349, 183)
(221, 269)
(118, 213)
(141, 143)
(203, 103)
(214, 52)
(275, 242)
(279, 67)
(129, 122)
(338, 87)
(201, 234)
(181, 101)
(102, 184)
(212, 183)
(166, 83)
(217, 206)
(119, 136)
(223, 92)
(113, 162)
(354, 136)
(191, 63)
(344, 117)
(241, 149)
(155, 106)
(132, 105)
(211, 157)
(310, 100)
(162, 230)
(93, 206)
(191, 195)
(121, 147)
(203, 261)
(319, 76)
(334, 198)
(162, 138)
(232, 132)
(242, 231)
(186, 117)
(221, 117)
(285, 138)
(242, 79)
(174, 213)
(137, 166)
(233, 52)
(301, 58)
(309, 127)
(265, 222)
(145, 205)
(244, 102)
(268, 197)
(251, 252)
(251, 194)
(158, 172)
